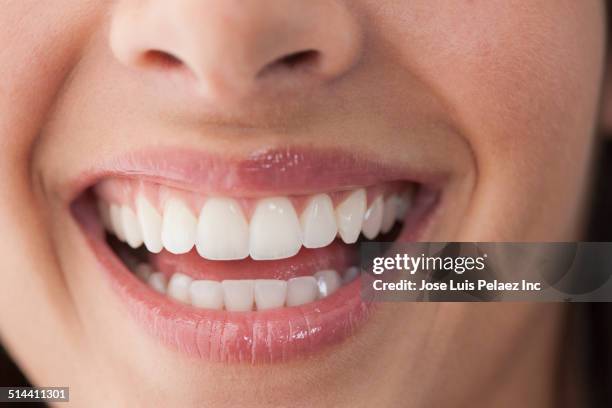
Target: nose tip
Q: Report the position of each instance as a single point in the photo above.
(233, 48)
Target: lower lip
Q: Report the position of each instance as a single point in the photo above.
(230, 337)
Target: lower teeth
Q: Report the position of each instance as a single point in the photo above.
(243, 295)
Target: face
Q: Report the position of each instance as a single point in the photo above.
(235, 151)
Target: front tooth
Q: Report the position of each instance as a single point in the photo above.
(150, 224)
(178, 227)
(389, 213)
(328, 281)
(372, 219)
(117, 223)
(270, 293)
(222, 232)
(274, 232)
(318, 222)
(302, 290)
(349, 215)
(207, 294)
(130, 227)
(238, 295)
(104, 211)
(158, 282)
(178, 287)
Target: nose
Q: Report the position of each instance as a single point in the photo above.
(234, 48)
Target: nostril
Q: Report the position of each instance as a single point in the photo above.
(301, 60)
(160, 60)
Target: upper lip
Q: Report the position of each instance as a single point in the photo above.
(282, 171)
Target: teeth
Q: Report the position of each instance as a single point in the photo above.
(115, 216)
(241, 295)
(104, 211)
(389, 213)
(178, 227)
(274, 230)
(222, 232)
(404, 204)
(372, 219)
(130, 260)
(318, 222)
(178, 287)
(143, 271)
(302, 290)
(158, 282)
(130, 227)
(238, 295)
(207, 294)
(350, 274)
(150, 224)
(349, 215)
(270, 293)
(328, 281)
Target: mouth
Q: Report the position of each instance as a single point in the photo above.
(235, 262)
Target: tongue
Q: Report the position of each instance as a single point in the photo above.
(307, 262)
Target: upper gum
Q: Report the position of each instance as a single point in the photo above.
(124, 192)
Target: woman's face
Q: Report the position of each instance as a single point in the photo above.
(290, 119)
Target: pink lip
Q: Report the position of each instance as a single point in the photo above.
(253, 337)
(268, 172)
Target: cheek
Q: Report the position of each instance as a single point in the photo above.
(528, 85)
(521, 81)
(38, 47)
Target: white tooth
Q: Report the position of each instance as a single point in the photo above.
(104, 211)
(349, 215)
(143, 271)
(270, 293)
(389, 213)
(178, 287)
(238, 294)
(372, 219)
(223, 232)
(157, 281)
(329, 281)
(150, 224)
(131, 228)
(318, 222)
(404, 204)
(115, 213)
(302, 290)
(178, 227)
(207, 294)
(350, 274)
(274, 232)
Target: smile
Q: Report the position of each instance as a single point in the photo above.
(261, 277)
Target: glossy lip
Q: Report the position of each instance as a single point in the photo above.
(290, 171)
(241, 337)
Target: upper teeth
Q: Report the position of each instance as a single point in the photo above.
(221, 230)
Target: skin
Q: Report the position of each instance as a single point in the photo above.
(502, 96)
